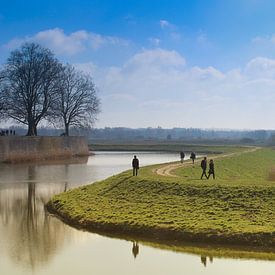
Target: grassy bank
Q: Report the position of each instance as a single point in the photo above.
(157, 146)
(238, 208)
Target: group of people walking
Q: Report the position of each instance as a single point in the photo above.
(192, 156)
(7, 133)
(211, 171)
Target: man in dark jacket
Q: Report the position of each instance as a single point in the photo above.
(211, 169)
(182, 156)
(203, 167)
(135, 165)
(193, 157)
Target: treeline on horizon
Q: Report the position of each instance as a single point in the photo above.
(180, 134)
(174, 134)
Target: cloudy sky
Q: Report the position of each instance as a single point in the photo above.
(169, 63)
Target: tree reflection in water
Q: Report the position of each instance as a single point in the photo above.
(32, 236)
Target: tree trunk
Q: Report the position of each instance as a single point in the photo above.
(66, 129)
(32, 131)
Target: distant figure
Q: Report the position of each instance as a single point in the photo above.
(211, 169)
(211, 259)
(193, 157)
(135, 249)
(203, 260)
(14, 132)
(182, 155)
(203, 167)
(7, 132)
(135, 165)
(10, 132)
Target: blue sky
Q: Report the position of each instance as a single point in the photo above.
(170, 63)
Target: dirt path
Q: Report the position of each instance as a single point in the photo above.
(167, 169)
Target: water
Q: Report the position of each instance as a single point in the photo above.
(32, 242)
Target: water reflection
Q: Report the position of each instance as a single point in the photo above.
(33, 242)
(66, 171)
(32, 237)
(204, 260)
(135, 249)
(32, 234)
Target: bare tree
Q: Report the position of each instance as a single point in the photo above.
(77, 103)
(30, 85)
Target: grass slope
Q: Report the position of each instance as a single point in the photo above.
(164, 146)
(238, 208)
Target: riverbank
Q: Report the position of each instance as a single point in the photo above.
(161, 146)
(18, 149)
(235, 209)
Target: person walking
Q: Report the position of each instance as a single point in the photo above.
(203, 167)
(193, 157)
(182, 156)
(135, 165)
(211, 169)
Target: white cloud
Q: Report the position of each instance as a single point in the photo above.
(69, 44)
(157, 58)
(164, 24)
(154, 41)
(156, 87)
(88, 67)
(261, 67)
(263, 45)
(202, 39)
(264, 40)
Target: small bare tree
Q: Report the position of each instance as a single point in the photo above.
(30, 84)
(77, 103)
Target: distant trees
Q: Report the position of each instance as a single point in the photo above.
(35, 86)
(76, 103)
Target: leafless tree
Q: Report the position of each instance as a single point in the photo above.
(77, 103)
(30, 85)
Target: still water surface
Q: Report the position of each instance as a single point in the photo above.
(32, 242)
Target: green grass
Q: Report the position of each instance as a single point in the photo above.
(164, 146)
(238, 208)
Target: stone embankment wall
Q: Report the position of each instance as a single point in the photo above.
(23, 148)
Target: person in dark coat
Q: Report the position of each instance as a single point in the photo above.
(182, 155)
(211, 169)
(135, 165)
(193, 157)
(203, 167)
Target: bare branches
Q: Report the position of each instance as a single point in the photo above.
(35, 86)
(77, 103)
(29, 84)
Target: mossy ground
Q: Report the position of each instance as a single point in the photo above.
(238, 208)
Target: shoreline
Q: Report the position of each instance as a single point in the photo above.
(21, 149)
(161, 208)
(242, 239)
(189, 243)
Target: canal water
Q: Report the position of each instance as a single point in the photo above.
(33, 242)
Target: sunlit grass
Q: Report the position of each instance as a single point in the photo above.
(236, 208)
